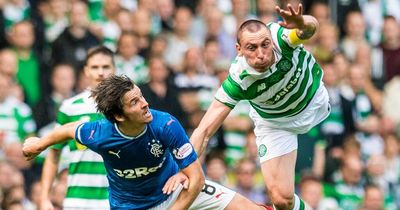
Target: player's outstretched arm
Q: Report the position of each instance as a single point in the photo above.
(33, 146)
(196, 181)
(49, 173)
(304, 26)
(212, 120)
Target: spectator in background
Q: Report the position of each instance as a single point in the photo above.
(8, 63)
(348, 183)
(107, 29)
(31, 75)
(15, 117)
(63, 82)
(166, 10)
(340, 121)
(158, 47)
(373, 199)
(128, 62)
(341, 64)
(160, 93)
(215, 28)
(326, 42)
(55, 18)
(391, 47)
(245, 181)
(311, 190)
(15, 11)
(34, 194)
(374, 12)
(216, 168)
(179, 41)
(355, 34)
(240, 13)
(142, 23)
(321, 11)
(124, 20)
(9, 175)
(266, 10)
(392, 166)
(376, 177)
(71, 46)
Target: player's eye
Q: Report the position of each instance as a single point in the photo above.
(251, 48)
(265, 44)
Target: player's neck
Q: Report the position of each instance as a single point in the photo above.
(130, 129)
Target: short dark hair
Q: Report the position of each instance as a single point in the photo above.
(99, 50)
(109, 94)
(251, 25)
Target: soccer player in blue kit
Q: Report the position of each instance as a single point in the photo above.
(143, 149)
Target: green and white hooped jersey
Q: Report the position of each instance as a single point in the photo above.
(87, 181)
(284, 90)
(16, 121)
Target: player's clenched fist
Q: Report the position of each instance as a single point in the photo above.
(31, 148)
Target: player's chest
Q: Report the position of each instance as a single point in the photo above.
(136, 152)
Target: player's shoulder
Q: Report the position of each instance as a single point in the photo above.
(160, 117)
(238, 69)
(77, 99)
(78, 104)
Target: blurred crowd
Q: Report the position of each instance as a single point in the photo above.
(179, 52)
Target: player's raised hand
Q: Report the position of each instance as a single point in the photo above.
(174, 181)
(291, 18)
(30, 148)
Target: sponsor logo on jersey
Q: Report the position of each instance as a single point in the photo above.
(183, 151)
(137, 172)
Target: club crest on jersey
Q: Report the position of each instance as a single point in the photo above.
(183, 151)
(156, 148)
(284, 65)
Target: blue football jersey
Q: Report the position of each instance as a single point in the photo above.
(138, 167)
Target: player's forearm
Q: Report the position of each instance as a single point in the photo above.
(308, 29)
(196, 183)
(199, 139)
(58, 135)
(49, 173)
(212, 120)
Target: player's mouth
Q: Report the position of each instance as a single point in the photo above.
(147, 114)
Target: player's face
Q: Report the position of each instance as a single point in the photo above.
(98, 68)
(257, 48)
(136, 108)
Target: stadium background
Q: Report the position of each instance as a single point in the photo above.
(351, 161)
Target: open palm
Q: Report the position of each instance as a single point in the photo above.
(291, 18)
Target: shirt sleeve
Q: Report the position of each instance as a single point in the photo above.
(280, 36)
(178, 143)
(87, 133)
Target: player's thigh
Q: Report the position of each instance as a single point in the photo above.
(239, 202)
(279, 173)
(213, 196)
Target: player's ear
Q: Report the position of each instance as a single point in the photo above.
(239, 49)
(119, 118)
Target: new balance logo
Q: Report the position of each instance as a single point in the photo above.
(114, 153)
(261, 87)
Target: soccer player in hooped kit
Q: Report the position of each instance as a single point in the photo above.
(143, 151)
(282, 82)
